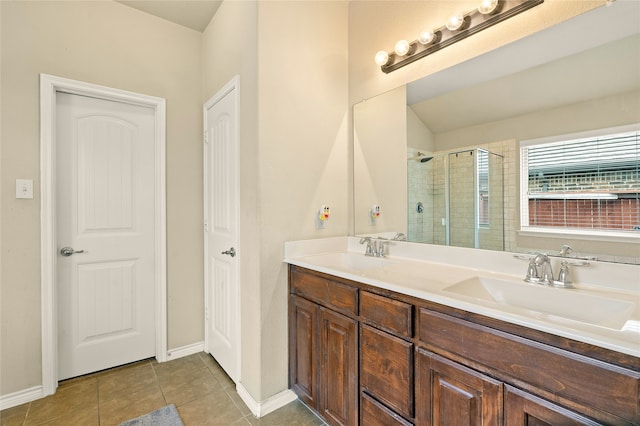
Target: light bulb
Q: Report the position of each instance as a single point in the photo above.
(402, 47)
(426, 37)
(455, 22)
(382, 58)
(488, 6)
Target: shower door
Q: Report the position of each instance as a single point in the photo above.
(475, 200)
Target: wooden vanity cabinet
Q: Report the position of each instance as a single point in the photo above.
(360, 355)
(323, 346)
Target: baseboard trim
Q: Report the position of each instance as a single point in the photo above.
(262, 408)
(21, 397)
(183, 351)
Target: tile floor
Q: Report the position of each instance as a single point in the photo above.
(202, 392)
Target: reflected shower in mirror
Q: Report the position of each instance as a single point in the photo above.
(456, 199)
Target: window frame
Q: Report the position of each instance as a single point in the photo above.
(575, 233)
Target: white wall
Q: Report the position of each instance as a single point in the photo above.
(109, 44)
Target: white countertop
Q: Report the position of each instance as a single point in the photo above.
(603, 315)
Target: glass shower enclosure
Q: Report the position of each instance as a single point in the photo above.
(457, 199)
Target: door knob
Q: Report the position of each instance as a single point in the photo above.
(231, 252)
(68, 251)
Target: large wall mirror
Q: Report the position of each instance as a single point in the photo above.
(437, 161)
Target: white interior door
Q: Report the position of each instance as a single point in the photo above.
(105, 212)
(221, 229)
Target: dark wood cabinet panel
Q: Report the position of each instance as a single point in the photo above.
(450, 394)
(521, 408)
(387, 314)
(386, 369)
(339, 371)
(560, 374)
(303, 350)
(373, 413)
(331, 294)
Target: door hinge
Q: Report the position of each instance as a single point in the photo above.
(206, 314)
(206, 137)
(206, 226)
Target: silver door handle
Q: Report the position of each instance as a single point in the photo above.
(68, 251)
(231, 252)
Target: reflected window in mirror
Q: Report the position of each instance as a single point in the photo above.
(588, 183)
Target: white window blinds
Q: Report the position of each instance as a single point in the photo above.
(588, 184)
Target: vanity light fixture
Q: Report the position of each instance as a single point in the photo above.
(459, 26)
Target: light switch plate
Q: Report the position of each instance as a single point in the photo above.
(24, 188)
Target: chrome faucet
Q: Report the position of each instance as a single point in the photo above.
(375, 248)
(371, 248)
(540, 271)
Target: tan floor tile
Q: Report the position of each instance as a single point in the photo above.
(179, 366)
(14, 416)
(110, 386)
(201, 390)
(211, 410)
(130, 406)
(292, 414)
(180, 392)
(239, 402)
(68, 398)
(84, 417)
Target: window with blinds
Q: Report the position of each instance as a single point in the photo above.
(588, 184)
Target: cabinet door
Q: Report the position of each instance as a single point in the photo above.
(521, 408)
(304, 350)
(339, 370)
(448, 393)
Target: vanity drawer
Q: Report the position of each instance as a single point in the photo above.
(331, 294)
(387, 314)
(372, 413)
(386, 369)
(559, 374)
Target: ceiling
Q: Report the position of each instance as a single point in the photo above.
(563, 65)
(194, 14)
(598, 73)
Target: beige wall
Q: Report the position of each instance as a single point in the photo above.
(113, 45)
(293, 143)
(303, 122)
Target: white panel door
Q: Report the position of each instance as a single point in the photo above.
(221, 230)
(105, 212)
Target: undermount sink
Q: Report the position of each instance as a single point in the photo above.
(553, 303)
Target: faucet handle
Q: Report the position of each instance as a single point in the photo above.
(532, 272)
(380, 248)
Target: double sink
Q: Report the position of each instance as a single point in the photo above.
(610, 313)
